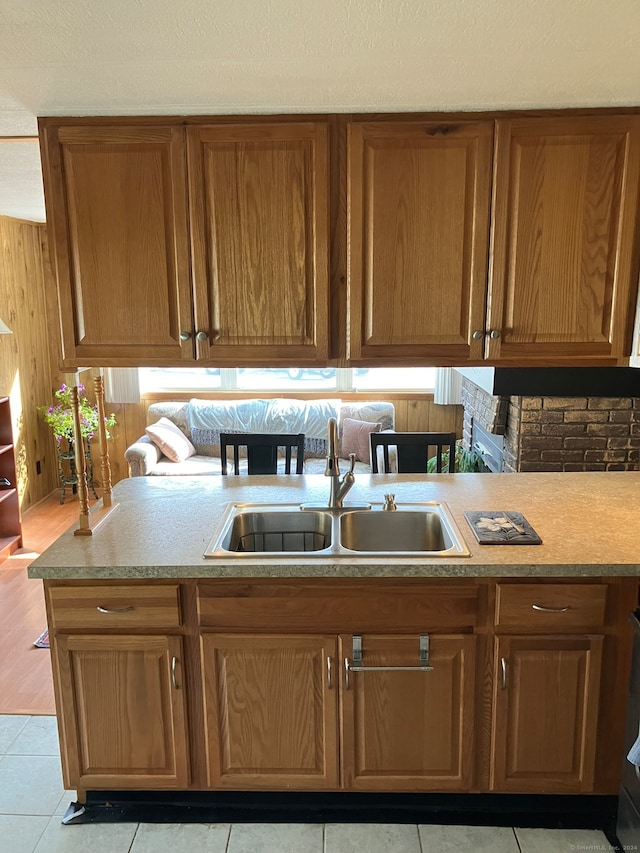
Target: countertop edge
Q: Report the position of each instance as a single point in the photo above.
(397, 570)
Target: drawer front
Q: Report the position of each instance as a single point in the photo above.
(114, 606)
(283, 608)
(550, 607)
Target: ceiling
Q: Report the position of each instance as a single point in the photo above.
(133, 57)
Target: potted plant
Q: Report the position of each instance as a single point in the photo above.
(60, 416)
(466, 461)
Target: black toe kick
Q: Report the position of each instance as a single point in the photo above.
(521, 810)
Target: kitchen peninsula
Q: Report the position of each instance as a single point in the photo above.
(249, 672)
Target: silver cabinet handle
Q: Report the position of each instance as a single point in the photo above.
(184, 336)
(126, 609)
(202, 336)
(174, 683)
(329, 674)
(494, 333)
(478, 335)
(503, 666)
(346, 674)
(550, 609)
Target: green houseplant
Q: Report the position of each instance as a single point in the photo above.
(60, 416)
(466, 461)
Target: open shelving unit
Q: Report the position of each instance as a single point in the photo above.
(10, 522)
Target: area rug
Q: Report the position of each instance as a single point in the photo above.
(43, 641)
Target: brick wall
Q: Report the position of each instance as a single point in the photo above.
(559, 433)
(574, 433)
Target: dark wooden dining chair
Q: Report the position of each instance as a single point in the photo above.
(413, 450)
(262, 451)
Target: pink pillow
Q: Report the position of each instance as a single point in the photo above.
(170, 439)
(355, 439)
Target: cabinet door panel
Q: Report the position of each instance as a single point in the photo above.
(546, 713)
(259, 212)
(116, 210)
(123, 715)
(419, 197)
(410, 730)
(271, 711)
(564, 266)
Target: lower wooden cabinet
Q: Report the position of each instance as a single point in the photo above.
(271, 710)
(122, 711)
(464, 685)
(405, 729)
(273, 703)
(546, 713)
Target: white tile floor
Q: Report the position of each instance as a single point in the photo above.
(33, 800)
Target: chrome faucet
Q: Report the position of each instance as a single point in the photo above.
(339, 488)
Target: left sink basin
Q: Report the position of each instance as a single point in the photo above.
(274, 529)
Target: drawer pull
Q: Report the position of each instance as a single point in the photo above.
(329, 674)
(126, 609)
(503, 667)
(357, 666)
(174, 683)
(550, 609)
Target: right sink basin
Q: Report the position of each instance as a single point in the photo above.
(427, 529)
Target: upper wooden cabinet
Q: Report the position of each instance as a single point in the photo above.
(259, 218)
(557, 283)
(479, 239)
(564, 263)
(255, 288)
(117, 218)
(418, 211)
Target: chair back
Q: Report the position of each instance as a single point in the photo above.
(413, 450)
(262, 451)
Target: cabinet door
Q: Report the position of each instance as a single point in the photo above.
(565, 261)
(259, 219)
(122, 711)
(117, 218)
(271, 711)
(411, 731)
(419, 199)
(546, 713)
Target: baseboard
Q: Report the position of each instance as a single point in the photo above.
(521, 810)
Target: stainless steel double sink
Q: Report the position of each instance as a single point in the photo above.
(276, 529)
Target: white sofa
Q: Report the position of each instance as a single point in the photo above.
(201, 421)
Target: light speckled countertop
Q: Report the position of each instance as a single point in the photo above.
(589, 524)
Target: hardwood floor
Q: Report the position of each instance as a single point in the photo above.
(25, 671)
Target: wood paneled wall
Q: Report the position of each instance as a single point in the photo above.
(27, 373)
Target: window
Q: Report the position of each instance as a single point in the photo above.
(299, 379)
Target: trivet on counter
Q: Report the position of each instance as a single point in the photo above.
(502, 527)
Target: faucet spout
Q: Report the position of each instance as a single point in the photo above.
(333, 466)
(339, 487)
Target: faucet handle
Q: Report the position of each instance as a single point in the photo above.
(352, 462)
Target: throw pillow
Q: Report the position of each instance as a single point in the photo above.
(355, 439)
(170, 439)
